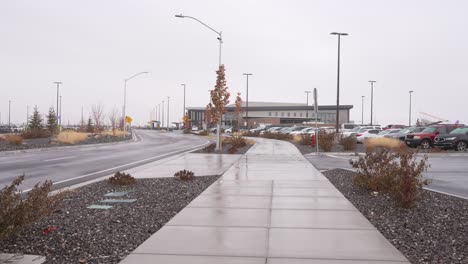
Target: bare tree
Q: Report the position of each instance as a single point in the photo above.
(208, 116)
(97, 112)
(114, 119)
(219, 99)
(238, 109)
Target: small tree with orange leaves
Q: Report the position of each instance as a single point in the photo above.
(219, 99)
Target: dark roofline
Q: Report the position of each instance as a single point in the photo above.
(283, 108)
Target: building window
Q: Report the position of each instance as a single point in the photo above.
(289, 114)
(276, 113)
(282, 113)
(295, 114)
(269, 113)
(300, 114)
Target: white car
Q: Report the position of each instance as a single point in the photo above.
(303, 131)
(369, 133)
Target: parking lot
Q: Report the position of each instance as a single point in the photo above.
(448, 172)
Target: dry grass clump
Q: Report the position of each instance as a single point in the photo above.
(348, 143)
(71, 137)
(388, 143)
(17, 212)
(14, 139)
(303, 139)
(115, 133)
(326, 141)
(122, 178)
(184, 175)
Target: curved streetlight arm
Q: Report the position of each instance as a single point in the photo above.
(135, 75)
(212, 29)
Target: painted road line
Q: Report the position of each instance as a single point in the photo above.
(59, 158)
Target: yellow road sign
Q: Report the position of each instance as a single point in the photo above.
(128, 119)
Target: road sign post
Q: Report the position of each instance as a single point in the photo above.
(316, 123)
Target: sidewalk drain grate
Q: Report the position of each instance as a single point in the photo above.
(101, 207)
(116, 194)
(117, 201)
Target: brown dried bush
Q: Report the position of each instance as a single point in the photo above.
(185, 175)
(250, 134)
(210, 148)
(14, 139)
(203, 133)
(397, 173)
(326, 141)
(17, 212)
(122, 178)
(304, 139)
(348, 143)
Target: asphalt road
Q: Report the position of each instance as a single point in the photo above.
(448, 172)
(71, 165)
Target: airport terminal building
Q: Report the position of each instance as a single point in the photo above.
(274, 113)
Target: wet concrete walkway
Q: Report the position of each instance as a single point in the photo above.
(272, 206)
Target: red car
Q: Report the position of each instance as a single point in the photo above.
(394, 126)
(425, 138)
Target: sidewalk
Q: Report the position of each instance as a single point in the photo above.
(272, 206)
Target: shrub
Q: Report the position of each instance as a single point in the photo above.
(348, 143)
(326, 141)
(17, 213)
(71, 137)
(398, 173)
(250, 134)
(210, 148)
(184, 175)
(203, 133)
(121, 178)
(238, 141)
(14, 139)
(303, 139)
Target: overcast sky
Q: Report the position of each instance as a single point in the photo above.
(93, 45)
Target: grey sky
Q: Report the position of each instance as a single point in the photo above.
(92, 46)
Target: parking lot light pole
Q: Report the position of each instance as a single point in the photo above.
(162, 115)
(362, 110)
(247, 99)
(372, 102)
(307, 103)
(168, 113)
(338, 81)
(183, 112)
(125, 98)
(410, 92)
(9, 115)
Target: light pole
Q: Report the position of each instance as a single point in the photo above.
(219, 33)
(60, 110)
(410, 92)
(168, 113)
(27, 116)
(162, 121)
(125, 99)
(183, 112)
(9, 115)
(247, 99)
(338, 80)
(362, 109)
(307, 107)
(57, 108)
(372, 101)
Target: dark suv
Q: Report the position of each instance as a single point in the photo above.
(457, 139)
(425, 138)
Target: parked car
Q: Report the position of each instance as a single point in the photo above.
(457, 139)
(194, 128)
(425, 138)
(360, 130)
(402, 133)
(304, 131)
(394, 126)
(370, 133)
(294, 129)
(348, 127)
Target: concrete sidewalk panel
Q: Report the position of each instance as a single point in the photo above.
(312, 203)
(172, 259)
(222, 217)
(219, 201)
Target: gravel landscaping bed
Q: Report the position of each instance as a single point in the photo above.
(106, 236)
(435, 231)
(46, 143)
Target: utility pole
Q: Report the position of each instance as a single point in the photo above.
(57, 108)
(60, 119)
(9, 115)
(247, 100)
(162, 122)
(307, 107)
(362, 110)
(82, 120)
(410, 92)
(372, 102)
(27, 116)
(168, 113)
(338, 81)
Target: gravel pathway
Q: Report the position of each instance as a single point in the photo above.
(436, 231)
(106, 236)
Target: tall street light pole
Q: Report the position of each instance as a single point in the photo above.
(60, 111)
(168, 113)
(9, 115)
(247, 99)
(162, 121)
(372, 102)
(125, 98)
(219, 33)
(338, 80)
(57, 108)
(307, 103)
(410, 92)
(183, 112)
(362, 110)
